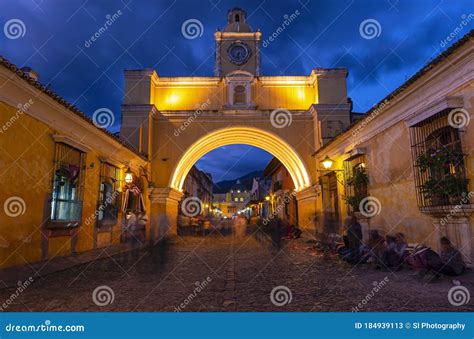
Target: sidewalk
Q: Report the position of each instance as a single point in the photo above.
(10, 277)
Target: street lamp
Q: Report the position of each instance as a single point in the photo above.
(128, 176)
(267, 198)
(327, 162)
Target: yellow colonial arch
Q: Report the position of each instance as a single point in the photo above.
(248, 136)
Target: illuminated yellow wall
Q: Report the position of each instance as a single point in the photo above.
(29, 178)
(187, 98)
(173, 96)
(26, 179)
(291, 97)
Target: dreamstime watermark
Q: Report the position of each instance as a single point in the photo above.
(108, 201)
(22, 286)
(370, 29)
(14, 206)
(286, 200)
(103, 117)
(192, 29)
(459, 118)
(21, 109)
(46, 327)
(281, 296)
(280, 118)
(14, 29)
(370, 207)
(287, 20)
(200, 286)
(466, 199)
(378, 285)
(459, 295)
(191, 206)
(200, 108)
(369, 118)
(103, 295)
(110, 19)
(465, 20)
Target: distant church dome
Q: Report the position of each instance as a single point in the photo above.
(238, 186)
(237, 21)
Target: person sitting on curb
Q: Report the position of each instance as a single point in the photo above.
(394, 254)
(452, 263)
(376, 247)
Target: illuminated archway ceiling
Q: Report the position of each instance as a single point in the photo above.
(242, 135)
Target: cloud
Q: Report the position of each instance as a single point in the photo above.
(233, 161)
(148, 35)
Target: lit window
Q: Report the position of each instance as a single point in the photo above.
(66, 204)
(241, 199)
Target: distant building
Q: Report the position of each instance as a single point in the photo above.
(199, 184)
(281, 202)
(234, 201)
(260, 190)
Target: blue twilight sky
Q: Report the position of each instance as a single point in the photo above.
(147, 34)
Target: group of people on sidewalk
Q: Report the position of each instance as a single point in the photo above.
(393, 253)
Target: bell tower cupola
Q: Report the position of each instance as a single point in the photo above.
(237, 46)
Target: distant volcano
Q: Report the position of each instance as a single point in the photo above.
(245, 180)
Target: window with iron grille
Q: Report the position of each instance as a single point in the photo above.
(68, 186)
(356, 181)
(438, 162)
(109, 195)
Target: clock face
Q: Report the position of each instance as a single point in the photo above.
(238, 53)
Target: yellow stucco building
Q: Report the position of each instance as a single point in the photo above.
(63, 178)
(408, 165)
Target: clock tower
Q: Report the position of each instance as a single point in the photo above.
(238, 46)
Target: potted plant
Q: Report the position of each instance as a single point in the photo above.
(448, 188)
(354, 201)
(439, 158)
(360, 179)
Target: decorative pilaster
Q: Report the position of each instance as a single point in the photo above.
(258, 36)
(218, 62)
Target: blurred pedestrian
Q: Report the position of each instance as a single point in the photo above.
(452, 263)
(240, 226)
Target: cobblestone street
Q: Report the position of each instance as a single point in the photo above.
(219, 273)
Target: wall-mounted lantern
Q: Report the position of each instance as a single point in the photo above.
(128, 176)
(327, 163)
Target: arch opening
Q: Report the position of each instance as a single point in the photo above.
(242, 135)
